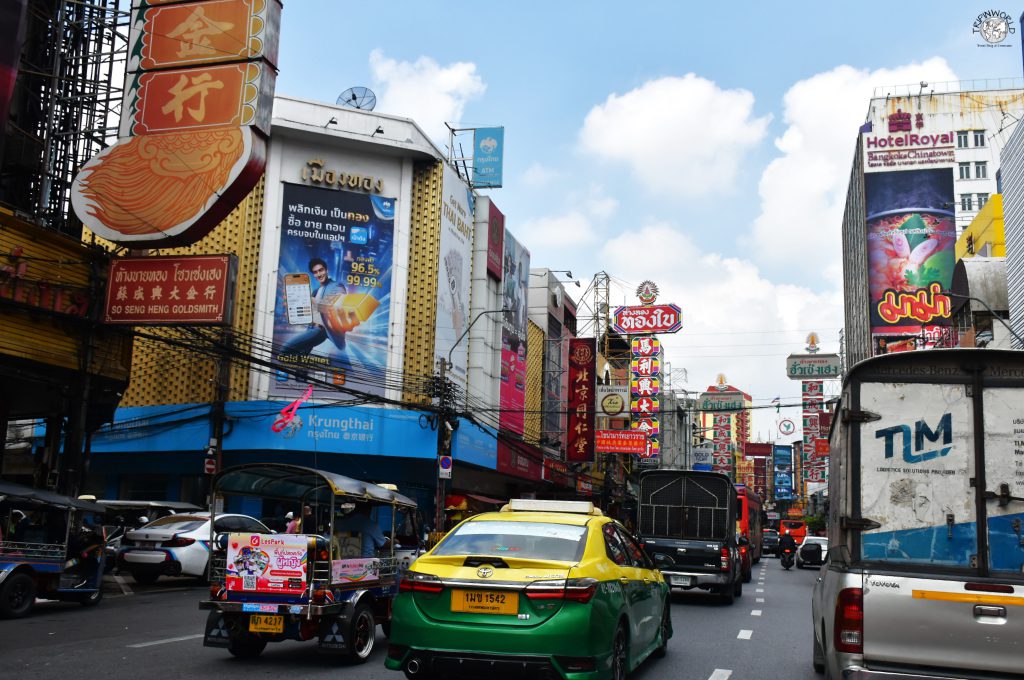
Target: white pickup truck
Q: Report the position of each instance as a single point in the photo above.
(924, 576)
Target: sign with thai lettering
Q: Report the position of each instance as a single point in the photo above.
(267, 563)
(582, 398)
(620, 441)
(803, 366)
(720, 401)
(645, 319)
(187, 289)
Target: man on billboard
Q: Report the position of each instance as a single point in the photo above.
(320, 329)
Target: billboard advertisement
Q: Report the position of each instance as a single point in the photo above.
(582, 400)
(333, 304)
(911, 235)
(783, 474)
(515, 288)
(495, 240)
(454, 267)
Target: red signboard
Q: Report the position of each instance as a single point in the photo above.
(617, 441)
(187, 289)
(645, 347)
(821, 448)
(556, 471)
(755, 450)
(519, 460)
(647, 319)
(495, 240)
(582, 399)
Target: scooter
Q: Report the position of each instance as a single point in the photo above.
(787, 558)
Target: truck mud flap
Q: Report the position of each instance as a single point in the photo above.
(331, 636)
(216, 630)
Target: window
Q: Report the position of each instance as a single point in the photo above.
(982, 200)
(965, 170)
(961, 139)
(613, 545)
(965, 202)
(979, 138)
(981, 170)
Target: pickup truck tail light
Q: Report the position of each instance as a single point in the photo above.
(849, 621)
(725, 559)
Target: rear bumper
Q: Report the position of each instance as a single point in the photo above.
(861, 673)
(697, 578)
(149, 562)
(457, 665)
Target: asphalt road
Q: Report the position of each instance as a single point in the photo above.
(156, 632)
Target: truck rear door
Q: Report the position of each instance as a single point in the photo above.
(930, 599)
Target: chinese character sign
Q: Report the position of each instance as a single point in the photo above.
(194, 123)
(581, 404)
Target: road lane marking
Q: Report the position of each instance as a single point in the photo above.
(125, 588)
(755, 612)
(759, 600)
(759, 590)
(166, 641)
(745, 634)
(720, 674)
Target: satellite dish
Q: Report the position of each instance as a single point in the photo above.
(361, 98)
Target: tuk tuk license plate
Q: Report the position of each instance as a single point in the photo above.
(266, 623)
(485, 602)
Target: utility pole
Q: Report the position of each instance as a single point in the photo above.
(444, 441)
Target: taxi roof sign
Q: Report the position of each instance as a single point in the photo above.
(533, 505)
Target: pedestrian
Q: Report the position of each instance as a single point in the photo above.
(293, 524)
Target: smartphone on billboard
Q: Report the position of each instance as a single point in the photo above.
(298, 298)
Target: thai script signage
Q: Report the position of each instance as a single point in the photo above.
(644, 319)
(582, 398)
(188, 289)
(266, 563)
(194, 124)
(802, 366)
(620, 441)
(720, 401)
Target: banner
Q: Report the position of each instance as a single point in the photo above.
(515, 288)
(159, 290)
(582, 397)
(453, 277)
(620, 441)
(267, 563)
(488, 158)
(333, 306)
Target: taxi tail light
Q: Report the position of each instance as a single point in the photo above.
(179, 541)
(573, 589)
(725, 559)
(849, 621)
(417, 582)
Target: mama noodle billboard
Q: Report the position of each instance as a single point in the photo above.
(333, 303)
(911, 237)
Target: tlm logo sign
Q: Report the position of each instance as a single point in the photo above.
(901, 435)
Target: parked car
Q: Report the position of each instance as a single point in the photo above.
(770, 542)
(811, 552)
(540, 589)
(125, 515)
(177, 545)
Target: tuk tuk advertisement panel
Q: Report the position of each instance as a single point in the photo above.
(267, 563)
(356, 570)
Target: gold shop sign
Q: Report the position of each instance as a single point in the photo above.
(314, 173)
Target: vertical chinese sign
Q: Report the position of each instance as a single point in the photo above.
(645, 392)
(194, 124)
(582, 401)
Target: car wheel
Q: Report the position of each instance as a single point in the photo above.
(737, 589)
(362, 633)
(728, 593)
(817, 656)
(664, 631)
(91, 599)
(620, 654)
(246, 646)
(17, 595)
(385, 627)
(145, 578)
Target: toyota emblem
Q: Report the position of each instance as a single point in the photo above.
(485, 572)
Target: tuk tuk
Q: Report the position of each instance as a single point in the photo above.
(333, 581)
(51, 546)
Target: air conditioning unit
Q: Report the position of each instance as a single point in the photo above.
(556, 298)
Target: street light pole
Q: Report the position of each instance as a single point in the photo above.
(445, 417)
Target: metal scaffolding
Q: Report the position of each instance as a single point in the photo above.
(66, 105)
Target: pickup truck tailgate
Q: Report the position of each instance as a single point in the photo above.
(683, 555)
(982, 630)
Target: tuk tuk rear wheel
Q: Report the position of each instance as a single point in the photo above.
(17, 595)
(362, 633)
(246, 646)
(91, 599)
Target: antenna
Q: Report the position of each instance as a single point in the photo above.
(361, 98)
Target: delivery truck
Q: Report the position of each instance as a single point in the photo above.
(924, 576)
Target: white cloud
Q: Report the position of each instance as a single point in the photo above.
(547, 237)
(425, 91)
(682, 136)
(803, 191)
(538, 175)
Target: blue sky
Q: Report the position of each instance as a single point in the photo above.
(704, 146)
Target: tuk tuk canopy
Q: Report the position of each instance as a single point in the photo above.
(18, 494)
(292, 482)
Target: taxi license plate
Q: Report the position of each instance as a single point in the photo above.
(266, 623)
(485, 602)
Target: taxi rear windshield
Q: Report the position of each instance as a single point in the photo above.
(524, 540)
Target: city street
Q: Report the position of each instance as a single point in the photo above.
(156, 632)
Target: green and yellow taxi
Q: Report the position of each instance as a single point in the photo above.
(541, 589)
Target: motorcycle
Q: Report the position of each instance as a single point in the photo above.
(787, 558)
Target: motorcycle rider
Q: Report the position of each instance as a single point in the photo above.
(787, 542)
